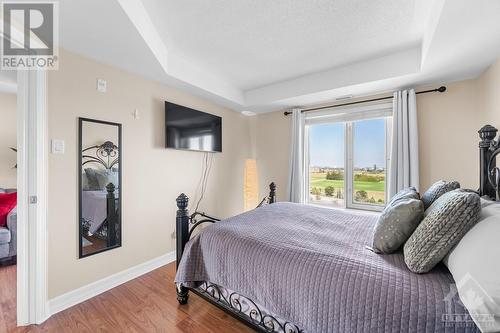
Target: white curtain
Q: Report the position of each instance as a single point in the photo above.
(296, 179)
(403, 171)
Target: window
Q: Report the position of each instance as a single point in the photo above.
(347, 157)
(326, 164)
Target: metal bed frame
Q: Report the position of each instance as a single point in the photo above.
(489, 148)
(231, 302)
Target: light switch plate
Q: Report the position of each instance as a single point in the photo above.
(57, 146)
(101, 85)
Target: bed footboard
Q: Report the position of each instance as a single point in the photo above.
(185, 224)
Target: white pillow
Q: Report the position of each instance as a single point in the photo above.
(486, 202)
(475, 266)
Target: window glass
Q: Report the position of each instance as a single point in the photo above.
(369, 162)
(326, 164)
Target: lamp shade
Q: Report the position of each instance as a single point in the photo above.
(250, 185)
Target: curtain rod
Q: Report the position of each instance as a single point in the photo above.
(440, 89)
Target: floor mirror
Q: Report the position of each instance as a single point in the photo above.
(100, 186)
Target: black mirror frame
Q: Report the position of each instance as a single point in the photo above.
(79, 168)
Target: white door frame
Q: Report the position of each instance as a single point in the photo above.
(32, 146)
(32, 143)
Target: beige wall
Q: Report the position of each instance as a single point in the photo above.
(489, 94)
(152, 175)
(272, 141)
(448, 139)
(448, 125)
(8, 138)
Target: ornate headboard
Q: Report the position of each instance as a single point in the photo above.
(489, 175)
(105, 155)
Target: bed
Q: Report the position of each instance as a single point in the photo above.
(285, 267)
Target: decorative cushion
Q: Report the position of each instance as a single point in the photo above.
(445, 223)
(92, 182)
(98, 179)
(409, 192)
(436, 190)
(85, 182)
(104, 177)
(7, 202)
(397, 222)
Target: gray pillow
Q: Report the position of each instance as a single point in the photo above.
(409, 192)
(105, 177)
(85, 182)
(92, 181)
(436, 190)
(98, 179)
(396, 224)
(449, 218)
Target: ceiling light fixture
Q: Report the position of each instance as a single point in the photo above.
(248, 113)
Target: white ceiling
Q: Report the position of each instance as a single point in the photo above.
(266, 55)
(256, 43)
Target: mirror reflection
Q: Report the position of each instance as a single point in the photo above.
(100, 186)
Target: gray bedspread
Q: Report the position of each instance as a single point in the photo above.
(309, 265)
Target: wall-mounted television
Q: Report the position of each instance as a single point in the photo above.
(191, 129)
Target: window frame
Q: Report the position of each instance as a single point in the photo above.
(348, 116)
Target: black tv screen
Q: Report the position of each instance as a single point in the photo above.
(191, 129)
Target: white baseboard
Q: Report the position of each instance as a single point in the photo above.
(81, 294)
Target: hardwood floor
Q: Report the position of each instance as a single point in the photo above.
(145, 304)
(97, 244)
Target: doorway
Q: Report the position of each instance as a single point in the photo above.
(32, 168)
(23, 172)
(8, 198)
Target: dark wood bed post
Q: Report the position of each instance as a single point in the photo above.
(182, 234)
(487, 134)
(111, 214)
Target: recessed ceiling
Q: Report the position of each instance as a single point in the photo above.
(265, 55)
(256, 43)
